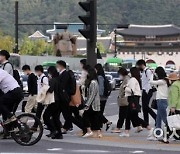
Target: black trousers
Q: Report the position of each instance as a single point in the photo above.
(145, 106)
(123, 111)
(102, 118)
(39, 111)
(52, 117)
(91, 119)
(76, 118)
(66, 112)
(9, 102)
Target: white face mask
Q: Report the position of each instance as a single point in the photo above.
(50, 76)
(121, 77)
(130, 75)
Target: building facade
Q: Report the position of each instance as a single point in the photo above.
(158, 42)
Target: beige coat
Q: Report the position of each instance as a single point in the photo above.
(44, 97)
(122, 100)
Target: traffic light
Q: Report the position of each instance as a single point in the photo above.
(89, 20)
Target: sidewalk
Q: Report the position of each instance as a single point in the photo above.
(135, 141)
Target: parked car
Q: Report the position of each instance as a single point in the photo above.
(115, 76)
(111, 81)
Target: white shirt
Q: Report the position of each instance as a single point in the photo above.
(7, 67)
(41, 82)
(162, 89)
(133, 85)
(62, 71)
(7, 82)
(83, 77)
(146, 77)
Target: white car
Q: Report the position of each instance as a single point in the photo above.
(112, 81)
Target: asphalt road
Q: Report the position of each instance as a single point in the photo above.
(72, 148)
(77, 145)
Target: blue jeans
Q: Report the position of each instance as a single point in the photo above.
(162, 105)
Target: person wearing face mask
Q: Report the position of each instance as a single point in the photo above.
(122, 100)
(66, 90)
(52, 112)
(42, 81)
(147, 90)
(32, 88)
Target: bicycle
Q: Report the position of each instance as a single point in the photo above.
(22, 132)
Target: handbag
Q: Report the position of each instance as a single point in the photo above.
(134, 103)
(122, 101)
(76, 98)
(174, 121)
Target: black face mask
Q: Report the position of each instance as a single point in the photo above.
(141, 69)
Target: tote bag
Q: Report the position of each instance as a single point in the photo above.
(174, 121)
(76, 98)
(134, 103)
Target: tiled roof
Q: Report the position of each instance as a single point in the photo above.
(149, 30)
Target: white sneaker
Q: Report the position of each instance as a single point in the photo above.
(151, 132)
(88, 135)
(152, 138)
(124, 135)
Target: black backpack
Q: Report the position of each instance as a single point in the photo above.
(107, 88)
(15, 74)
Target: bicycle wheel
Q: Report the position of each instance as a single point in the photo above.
(24, 135)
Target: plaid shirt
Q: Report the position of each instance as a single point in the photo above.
(93, 98)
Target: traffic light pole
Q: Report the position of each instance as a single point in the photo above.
(16, 50)
(91, 44)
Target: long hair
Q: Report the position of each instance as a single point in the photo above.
(135, 72)
(161, 74)
(100, 70)
(92, 75)
(53, 71)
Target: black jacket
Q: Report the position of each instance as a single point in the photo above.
(54, 87)
(67, 85)
(32, 84)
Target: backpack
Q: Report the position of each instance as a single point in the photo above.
(72, 83)
(15, 74)
(107, 88)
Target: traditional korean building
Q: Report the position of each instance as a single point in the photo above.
(38, 35)
(158, 42)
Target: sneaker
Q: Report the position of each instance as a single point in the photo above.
(151, 132)
(139, 129)
(12, 119)
(124, 135)
(152, 138)
(88, 135)
(100, 136)
(164, 141)
(108, 125)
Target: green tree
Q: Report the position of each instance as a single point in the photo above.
(35, 47)
(6, 42)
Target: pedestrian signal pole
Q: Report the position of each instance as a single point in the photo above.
(90, 29)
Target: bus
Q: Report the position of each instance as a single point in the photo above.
(113, 64)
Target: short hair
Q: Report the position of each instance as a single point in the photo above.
(5, 53)
(39, 68)
(122, 71)
(26, 67)
(83, 61)
(61, 63)
(141, 62)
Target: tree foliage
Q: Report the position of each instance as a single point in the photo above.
(109, 12)
(35, 47)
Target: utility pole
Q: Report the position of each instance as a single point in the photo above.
(16, 49)
(90, 30)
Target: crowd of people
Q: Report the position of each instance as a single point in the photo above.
(83, 103)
